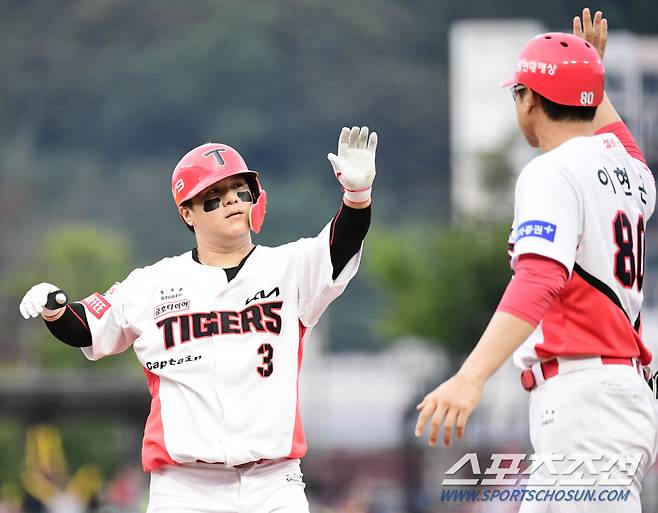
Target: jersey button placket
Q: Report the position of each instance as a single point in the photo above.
(218, 277)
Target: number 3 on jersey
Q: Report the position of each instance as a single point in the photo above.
(267, 368)
(629, 260)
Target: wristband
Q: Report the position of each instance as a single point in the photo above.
(357, 196)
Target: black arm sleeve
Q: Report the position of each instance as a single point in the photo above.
(348, 229)
(72, 327)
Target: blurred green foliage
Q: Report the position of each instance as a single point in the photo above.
(11, 441)
(81, 259)
(99, 99)
(442, 284)
(88, 439)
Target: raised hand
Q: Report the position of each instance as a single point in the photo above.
(354, 166)
(595, 31)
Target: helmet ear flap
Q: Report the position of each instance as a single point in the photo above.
(257, 212)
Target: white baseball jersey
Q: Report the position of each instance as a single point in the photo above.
(222, 358)
(586, 204)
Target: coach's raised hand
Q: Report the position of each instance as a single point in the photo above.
(354, 165)
(595, 31)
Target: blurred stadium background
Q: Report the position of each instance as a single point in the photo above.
(99, 99)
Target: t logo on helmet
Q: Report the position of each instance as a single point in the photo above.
(216, 153)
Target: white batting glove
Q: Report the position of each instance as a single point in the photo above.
(34, 301)
(354, 165)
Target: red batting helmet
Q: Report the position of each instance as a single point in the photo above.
(208, 164)
(561, 67)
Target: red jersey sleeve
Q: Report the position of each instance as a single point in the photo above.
(624, 135)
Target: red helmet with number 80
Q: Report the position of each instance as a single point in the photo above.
(563, 68)
(208, 164)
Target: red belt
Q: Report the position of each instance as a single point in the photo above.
(550, 368)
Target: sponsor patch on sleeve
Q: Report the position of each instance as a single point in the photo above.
(540, 229)
(96, 304)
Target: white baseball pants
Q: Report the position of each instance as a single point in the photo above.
(593, 409)
(270, 486)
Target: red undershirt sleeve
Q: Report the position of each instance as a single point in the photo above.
(536, 283)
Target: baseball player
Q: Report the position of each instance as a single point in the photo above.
(220, 332)
(571, 313)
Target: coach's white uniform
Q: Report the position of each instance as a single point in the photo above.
(585, 204)
(222, 358)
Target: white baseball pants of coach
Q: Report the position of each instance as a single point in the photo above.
(593, 409)
(271, 486)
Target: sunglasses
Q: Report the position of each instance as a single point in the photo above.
(516, 90)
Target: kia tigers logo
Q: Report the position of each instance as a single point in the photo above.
(218, 155)
(261, 295)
